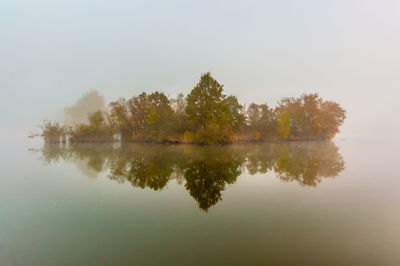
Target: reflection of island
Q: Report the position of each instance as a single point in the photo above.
(207, 172)
(303, 162)
(204, 170)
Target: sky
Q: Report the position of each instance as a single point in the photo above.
(52, 52)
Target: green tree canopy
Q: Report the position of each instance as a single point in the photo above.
(205, 102)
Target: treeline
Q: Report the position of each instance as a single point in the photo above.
(206, 115)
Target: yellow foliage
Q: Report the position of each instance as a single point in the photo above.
(188, 136)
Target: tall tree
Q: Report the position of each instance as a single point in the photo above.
(120, 117)
(284, 124)
(138, 107)
(311, 120)
(204, 102)
(235, 112)
(332, 117)
(253, 114)
(159, 116)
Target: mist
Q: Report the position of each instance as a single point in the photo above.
(87, 104)
(102, 163)
(347, 51)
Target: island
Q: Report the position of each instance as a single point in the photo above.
(205, 116)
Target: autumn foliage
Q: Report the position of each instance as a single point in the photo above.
(206, 115)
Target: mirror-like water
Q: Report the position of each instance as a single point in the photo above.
(281, 203)
(203, 170)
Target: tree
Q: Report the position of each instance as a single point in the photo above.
(284, 124)
(204, 102)
(311, 120)
(138, 107)
(262, 121)
(211, 114)
(268, 122)
(96, 131)
(290, 108)
(159, 116)
(52, 131)
(235, 112)
(253, 114)
(97, 120)
(87, 104)
(332, 117)
(120, 117)
(305, 115)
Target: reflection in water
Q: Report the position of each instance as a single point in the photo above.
(205, 170)
(207, 173)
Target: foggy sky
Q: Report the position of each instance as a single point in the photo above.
(52, 52)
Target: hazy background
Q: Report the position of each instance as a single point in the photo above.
(52, 52)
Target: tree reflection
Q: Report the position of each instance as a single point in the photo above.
(308, 163)
(204, 170)
(207, 173)
(149, 166)
(303, 162)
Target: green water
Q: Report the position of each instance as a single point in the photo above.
(300, 203)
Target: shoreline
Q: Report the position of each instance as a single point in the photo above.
(187, 143)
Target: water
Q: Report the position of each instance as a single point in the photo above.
(301, 203)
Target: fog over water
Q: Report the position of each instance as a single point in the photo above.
(300, 203)
(53, 52)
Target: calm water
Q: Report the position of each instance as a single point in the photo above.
(303, 203)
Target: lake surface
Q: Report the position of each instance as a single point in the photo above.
(300, 203)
